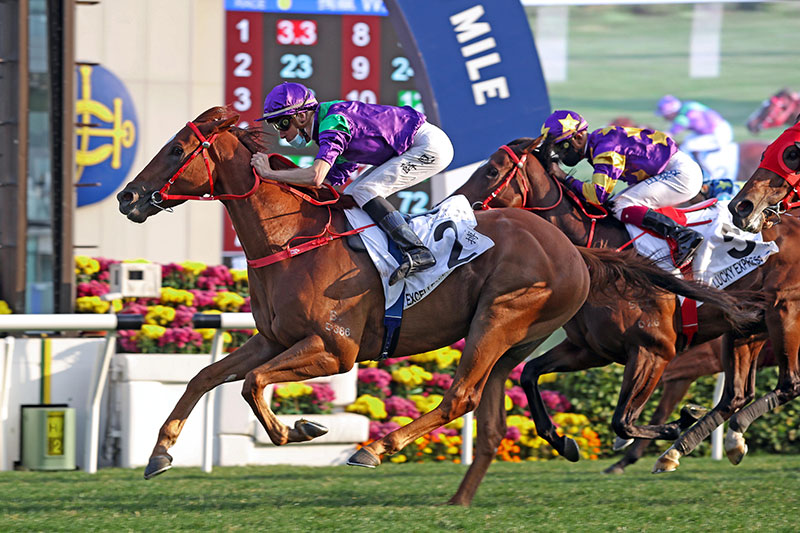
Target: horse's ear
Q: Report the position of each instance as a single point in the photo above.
(223, 123)
(534, 144)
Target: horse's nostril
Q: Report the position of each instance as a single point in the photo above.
(127, 197)
(744, 208)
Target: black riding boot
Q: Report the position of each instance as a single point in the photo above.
(686, 239)
(416, 256)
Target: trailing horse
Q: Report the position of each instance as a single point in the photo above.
(768, 203)
(320, 310)
(644, 337)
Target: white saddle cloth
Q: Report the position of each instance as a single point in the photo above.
(726, 254)
(449, 232)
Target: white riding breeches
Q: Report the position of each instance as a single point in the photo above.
(679, 182)
(429, 153)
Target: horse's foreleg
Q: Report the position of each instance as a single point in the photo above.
(566, 357)
(491, 418)
(737, 363)
(308, 358)
(233, 367)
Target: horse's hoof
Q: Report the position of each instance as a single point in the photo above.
(691, 413)
(621, 444)
(310, 429)
(364, 457)
(571, 450)
(158, 465)
(668, 462)
(735, 447)
(615, 469)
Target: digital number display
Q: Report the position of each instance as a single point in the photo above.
(340, 57)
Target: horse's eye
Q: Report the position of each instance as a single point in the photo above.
(177, 150)
(492, 172)
(791, 157)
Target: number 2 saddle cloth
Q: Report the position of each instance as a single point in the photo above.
(448, 231)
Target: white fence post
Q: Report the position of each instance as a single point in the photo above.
(466, 439)
(718, 434)
(208, 414)
(92, 443)
(5, 386)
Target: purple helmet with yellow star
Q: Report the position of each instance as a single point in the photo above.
(563, 124)
(288, 98)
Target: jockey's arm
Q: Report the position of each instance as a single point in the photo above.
(312, 176)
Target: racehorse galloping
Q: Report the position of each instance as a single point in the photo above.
(321, 311)
(778, 110)
(765, 204)
(641, 337)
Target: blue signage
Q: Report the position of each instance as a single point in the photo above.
(317, 7)
(106, 134)
(476, 62)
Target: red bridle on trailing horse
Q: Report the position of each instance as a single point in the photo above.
(785, 148)
(327, 235)
(518, 169)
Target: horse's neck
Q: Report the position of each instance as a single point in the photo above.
(578, 228)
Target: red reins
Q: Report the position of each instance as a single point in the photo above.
(327, 235)
(519, 165)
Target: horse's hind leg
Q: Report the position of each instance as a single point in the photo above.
(674, 391)
(737, 363)
(491, 418)
(233, 367)
(566, 357)
(787, 389)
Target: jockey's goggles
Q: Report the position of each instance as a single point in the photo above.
(282, 124)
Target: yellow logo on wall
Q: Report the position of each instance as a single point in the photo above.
(106, 133)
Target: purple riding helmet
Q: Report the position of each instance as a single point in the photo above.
(562, 124)
(668, 105)
(288, 99)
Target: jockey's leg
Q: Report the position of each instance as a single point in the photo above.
(429, 153)
(680, 181)
(416, 256)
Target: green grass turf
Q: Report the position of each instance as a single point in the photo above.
(703, 495)
(622, 60)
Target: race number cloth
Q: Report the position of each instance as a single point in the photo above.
(449, 232)
(726, 254)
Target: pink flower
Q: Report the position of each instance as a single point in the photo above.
(445, 431)
(513, 433)
(517, 372)
(442, 381)
(397, 406)
(517, 396)
(459, 345)
(378, 430)
(555, 401)
(375, 376)
(322, 393)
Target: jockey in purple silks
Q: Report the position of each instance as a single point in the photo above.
(401, 146)
(657, 174)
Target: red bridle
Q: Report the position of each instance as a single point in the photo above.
(773, 161)
(327, 235)
(519, 165)
(159, 196)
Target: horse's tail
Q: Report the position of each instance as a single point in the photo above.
(639, 276)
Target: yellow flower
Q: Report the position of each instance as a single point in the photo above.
(194, 268)
(369, 405)
(398, 459)
(411, 376)
(547, 378)
(368, 364)
(401, 420)
(4, 308)
(160, 315)
(152, 331)
(425, 403)
(207, 333)
(443, 357)
(228, 301)
(170, 295)
(91, 304)
(509, 403)
(293, 390)
(458, 423)
(238, 275)
(86, 265)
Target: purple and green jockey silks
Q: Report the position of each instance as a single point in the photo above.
(627, 154)
(350, 132)
(696, 117)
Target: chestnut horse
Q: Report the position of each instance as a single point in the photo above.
(768, 203)
(645, 338)
(321, 311)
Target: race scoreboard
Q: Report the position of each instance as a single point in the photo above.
(341, 49)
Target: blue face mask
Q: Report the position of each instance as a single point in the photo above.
(299, 141)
